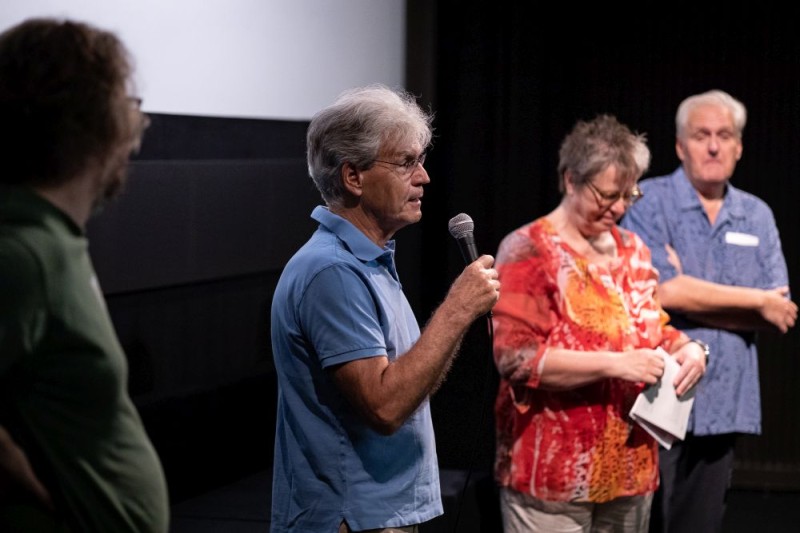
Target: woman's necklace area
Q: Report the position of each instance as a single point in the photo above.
(602, 244)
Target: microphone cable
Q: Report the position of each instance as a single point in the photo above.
(461, 227)
(487, 397)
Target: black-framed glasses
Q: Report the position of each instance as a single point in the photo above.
(407, 166)
(605, 200)
(140, 124)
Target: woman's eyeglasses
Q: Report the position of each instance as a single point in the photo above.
(606, 200)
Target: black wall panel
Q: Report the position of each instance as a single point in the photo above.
(184, 221)
(188, 257)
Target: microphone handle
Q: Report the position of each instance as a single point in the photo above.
(468, 249)
(470, 253)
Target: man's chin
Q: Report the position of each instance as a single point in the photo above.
(100, 204)
(110, 192)
(715, 174)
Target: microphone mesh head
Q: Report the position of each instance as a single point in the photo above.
(461, 225)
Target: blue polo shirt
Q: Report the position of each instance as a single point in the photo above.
(741, 248)
(339, 299)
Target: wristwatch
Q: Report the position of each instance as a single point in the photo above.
(704, 346)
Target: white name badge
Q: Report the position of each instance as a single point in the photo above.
(741, 239)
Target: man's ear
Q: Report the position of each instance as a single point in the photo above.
(351, 179)
(679, 150)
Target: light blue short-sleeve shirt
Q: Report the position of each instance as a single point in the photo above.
(340, 299)
(742, 248)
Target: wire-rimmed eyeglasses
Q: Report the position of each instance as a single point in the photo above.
(605, 200)
(407, 166)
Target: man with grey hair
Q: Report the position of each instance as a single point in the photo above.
(723, 277)
(354, 446)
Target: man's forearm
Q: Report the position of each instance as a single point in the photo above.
(743, 320)
(16, 473)
(729, 307)
(690, 295)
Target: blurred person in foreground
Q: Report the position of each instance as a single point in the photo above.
(74, 454)
(354, 446)
(576, 332)
(723, 277)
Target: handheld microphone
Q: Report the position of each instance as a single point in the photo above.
(461, 227)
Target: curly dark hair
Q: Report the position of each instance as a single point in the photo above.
(63, 100)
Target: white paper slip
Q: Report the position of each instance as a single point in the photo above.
(741, 239)
(659, 410)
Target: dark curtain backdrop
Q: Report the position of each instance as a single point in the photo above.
(507, 80)
(189, 256)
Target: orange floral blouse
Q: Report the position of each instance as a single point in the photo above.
(576, 445)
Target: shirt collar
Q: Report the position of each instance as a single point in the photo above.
(19, 203)
(688, 199)
(355, 240)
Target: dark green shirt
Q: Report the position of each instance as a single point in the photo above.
(63, 376)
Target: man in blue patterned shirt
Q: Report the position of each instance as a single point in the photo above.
(723, 277)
